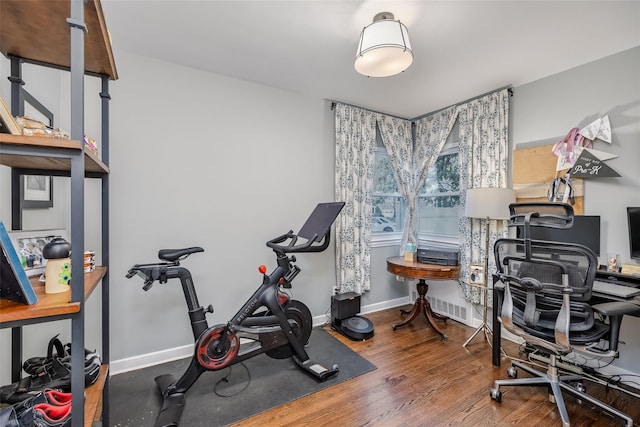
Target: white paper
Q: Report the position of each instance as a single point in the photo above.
(599, 128)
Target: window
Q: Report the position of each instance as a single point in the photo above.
(438, 203)
(388, 204)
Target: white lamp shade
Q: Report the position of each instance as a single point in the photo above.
(490, 203)
(384, 49)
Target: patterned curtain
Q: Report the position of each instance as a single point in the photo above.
(355, 155)
(398, 141)
(431, 134)
(483, 157)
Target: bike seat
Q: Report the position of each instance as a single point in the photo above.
(173, 255)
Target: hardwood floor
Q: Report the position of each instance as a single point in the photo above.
(423, 381)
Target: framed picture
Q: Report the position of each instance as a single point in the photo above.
(9, 124)
(29, 246)
(37, 190)
(476, 274)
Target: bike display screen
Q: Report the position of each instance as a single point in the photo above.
(320, 220)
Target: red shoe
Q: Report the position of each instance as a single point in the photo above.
(46, 415)
(52, 397)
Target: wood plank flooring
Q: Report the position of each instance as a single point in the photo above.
(423, 381)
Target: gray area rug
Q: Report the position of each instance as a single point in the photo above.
(224, 397)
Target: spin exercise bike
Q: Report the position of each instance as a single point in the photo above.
(269, 322)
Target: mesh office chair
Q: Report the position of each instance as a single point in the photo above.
(547, 288)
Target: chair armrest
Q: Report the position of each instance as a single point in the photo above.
(615, 311)
(617, 308)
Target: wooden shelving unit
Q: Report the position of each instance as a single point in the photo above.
(68, 35)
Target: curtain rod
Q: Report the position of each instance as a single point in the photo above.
(333, 106)
(509, 89)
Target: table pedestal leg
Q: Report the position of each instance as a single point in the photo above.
(422, 306)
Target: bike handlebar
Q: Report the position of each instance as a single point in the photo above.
(152, 272)
(291, 247)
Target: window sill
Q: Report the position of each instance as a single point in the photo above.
(380, 240)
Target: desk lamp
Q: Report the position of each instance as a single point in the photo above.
(487, 204)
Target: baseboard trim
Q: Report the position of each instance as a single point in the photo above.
(370, 308)
(149, 359)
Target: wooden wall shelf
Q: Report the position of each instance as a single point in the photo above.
(40, 33)
(92, 163)
(48, 305)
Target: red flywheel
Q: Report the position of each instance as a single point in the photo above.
(212, 352)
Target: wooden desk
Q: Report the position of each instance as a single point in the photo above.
(417, 270)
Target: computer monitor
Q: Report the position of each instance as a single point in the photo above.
(585, 231)
(633, 216)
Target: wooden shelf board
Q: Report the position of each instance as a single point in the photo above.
(93, 398)
(37, 31)
(48, 305)
(92, 163)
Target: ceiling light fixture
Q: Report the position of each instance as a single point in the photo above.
(384, 49)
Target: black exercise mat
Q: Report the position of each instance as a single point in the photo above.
(261, 384)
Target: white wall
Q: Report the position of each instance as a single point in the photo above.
(542, 112)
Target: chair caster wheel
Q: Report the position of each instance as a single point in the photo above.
(496, 394)
(512, 372)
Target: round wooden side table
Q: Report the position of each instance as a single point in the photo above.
(416, 270)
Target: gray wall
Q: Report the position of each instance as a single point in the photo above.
(542, 112)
